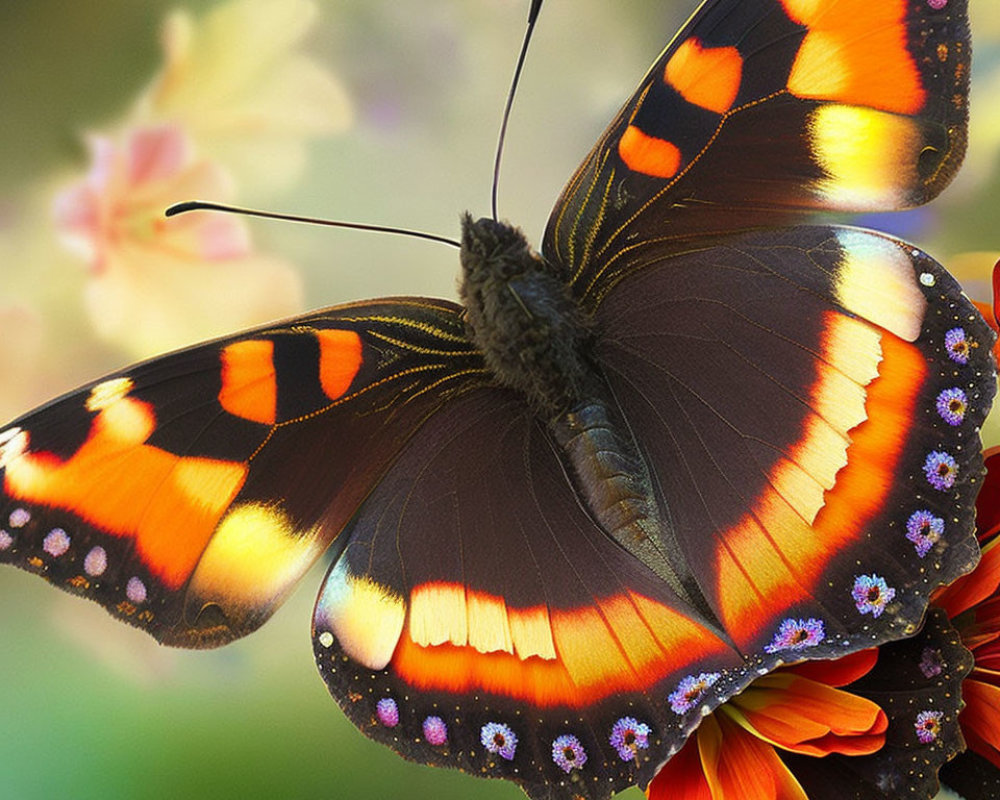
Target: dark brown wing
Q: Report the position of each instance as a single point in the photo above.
(479, 619)
(808, 401)
(917, 682)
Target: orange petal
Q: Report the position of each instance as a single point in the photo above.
(807, 717)
(682, 777)
(980, 719)
(987, 311)
(740, 766)
(838, 672)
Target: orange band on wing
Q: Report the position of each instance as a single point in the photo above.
(855, 53)
(249, 385)
(708, 77)
(339, 360)
(756, 578)
(648, 155)
(623, 643)
(876, 444)
(169, 504)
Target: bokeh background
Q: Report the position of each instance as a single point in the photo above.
(411, 95)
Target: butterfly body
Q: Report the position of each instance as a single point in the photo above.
(535, 339)
(523, 318)
(692, 439)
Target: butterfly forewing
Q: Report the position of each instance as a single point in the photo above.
(189, 493)
(761, 111)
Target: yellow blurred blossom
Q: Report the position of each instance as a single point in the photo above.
(154, 282)
(237, 83)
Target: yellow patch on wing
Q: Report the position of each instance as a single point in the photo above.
(569, 657)
(853, 349)
(438, 614)
(451, 613)
(489, 631)
(869, 157)
(107, 393)
(587, 647)
(840, 395)
(252, 561)
(13, 444)
(531, 630)
(800, 489)
(774, 557)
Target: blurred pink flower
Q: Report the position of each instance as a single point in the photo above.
(155, 283)
(121, 201)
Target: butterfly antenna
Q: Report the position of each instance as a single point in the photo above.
(200, 205)
(536, 6)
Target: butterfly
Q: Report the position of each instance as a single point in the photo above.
(694, 437)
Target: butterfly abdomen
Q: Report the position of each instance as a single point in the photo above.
(614, 482)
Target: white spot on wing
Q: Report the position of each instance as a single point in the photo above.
(875, 281)
(107, 393)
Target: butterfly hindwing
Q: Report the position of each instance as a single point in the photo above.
(796, 407)
(477, 617)
(810, 403)
(188, 493)
(760, 111)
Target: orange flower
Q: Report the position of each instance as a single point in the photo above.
(854, 727)
(155, 282)
(799, 709)
(973, 603)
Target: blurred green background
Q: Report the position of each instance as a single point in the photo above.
(89, 708)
